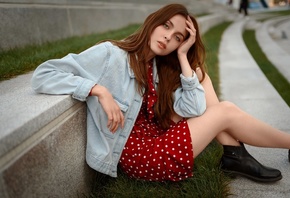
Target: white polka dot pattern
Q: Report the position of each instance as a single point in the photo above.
(154, 154)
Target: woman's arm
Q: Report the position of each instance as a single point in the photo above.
(184, 48)
(189, 99)
(74, 74)
(78, 75)
(112, 109)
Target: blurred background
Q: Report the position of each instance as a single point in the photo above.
(26, 22)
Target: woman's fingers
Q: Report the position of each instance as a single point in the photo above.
(116, 122)
(111, 108)
(115, 119)
(191, 29)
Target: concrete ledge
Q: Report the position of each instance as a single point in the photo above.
(278, 56)
(36, 24)
(42, 143)
(207, 22)
(43, 138)
(242, 79)
(243, 83)
(28, 22)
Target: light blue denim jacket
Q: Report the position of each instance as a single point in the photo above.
(108, 65)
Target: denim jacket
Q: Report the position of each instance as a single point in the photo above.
(108, 65)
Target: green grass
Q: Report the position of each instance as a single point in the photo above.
(276, 13)
(281, 13)
(19, 61)
(270, 71)
(208, 181)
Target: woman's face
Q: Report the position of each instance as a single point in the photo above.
(167, 37)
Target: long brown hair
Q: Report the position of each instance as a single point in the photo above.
(168, 66)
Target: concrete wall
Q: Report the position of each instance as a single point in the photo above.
(36, 24)
(42, 143)
(27, 22)
(55, 166)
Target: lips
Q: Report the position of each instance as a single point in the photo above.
(161, 45)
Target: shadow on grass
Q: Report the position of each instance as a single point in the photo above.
(208, 181)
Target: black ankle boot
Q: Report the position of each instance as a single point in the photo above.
(237, 161)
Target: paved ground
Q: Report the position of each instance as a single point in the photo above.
(243, 83)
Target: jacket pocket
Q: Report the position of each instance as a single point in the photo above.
(104, 119)
(124, 107)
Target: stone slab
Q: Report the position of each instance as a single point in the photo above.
(277, 55)
(53, 166)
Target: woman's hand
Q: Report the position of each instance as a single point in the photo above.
(185, 46)
(111, 108)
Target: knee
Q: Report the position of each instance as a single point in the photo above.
(228, 104)
(229, 108)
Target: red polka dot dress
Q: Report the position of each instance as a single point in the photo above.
(153, 153)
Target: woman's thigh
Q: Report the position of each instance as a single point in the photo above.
(205, 128)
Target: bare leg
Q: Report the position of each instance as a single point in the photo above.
(228, 123)
(241, 126)
(212, 99)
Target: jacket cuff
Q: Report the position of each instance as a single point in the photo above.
(189, 83)
(83, 90)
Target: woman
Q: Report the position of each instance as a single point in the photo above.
(151, 106)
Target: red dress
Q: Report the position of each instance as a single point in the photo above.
(154, 154)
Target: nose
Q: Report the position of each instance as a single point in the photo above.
(167, 37)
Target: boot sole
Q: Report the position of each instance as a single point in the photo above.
(257, 179)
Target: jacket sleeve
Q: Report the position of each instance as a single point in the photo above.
(189, 99)
(74, 74)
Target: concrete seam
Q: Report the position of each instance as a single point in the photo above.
(69, 22)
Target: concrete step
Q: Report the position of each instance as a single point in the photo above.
(243, 83)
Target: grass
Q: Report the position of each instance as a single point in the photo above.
(277, 13)
(281, 13)
(212, 40)
(208, 181)
(274, 76)
(19, 61)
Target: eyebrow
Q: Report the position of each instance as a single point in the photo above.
(173, 26)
